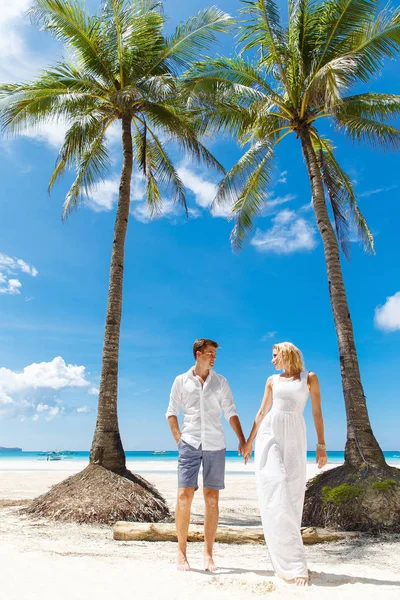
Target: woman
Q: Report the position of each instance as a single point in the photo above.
(280, 458)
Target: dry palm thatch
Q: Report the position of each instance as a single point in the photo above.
(367, 501)
(128, 497)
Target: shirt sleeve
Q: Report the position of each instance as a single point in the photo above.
(227, 403)
(175, 400)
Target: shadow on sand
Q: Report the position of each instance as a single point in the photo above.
(317, 578)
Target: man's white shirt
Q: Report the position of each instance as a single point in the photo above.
(202, 408)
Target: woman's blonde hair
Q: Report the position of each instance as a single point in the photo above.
(290, 356)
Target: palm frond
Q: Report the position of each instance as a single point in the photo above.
(342, 197)
(327, 85)
(60, 94)
(378, 40)
(163, 167)
(147, 162)
(182, 129)
(69, 23)
(247, 81)
(262, 30)
(194, 36)
(251, 199)
(369, 105)
(133, 38)
(115, 12)
(338, 21)
(244, 188)
(92, 165)
(77, 142)
(370, 131)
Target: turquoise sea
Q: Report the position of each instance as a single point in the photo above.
(149, 455)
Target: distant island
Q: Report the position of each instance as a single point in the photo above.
(3, 449)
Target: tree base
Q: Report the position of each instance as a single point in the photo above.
(354, 500)
(97, 495)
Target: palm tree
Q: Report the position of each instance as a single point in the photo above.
(296, 76)
(122, 70)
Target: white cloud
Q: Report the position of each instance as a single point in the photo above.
(17, 61)
(9, 266)
(272, 202)
(94, 391)
(268, 336)
(307, 207)
(377, 191)
(83, 409)
(11, 286)
(29, 393)
(387, 317)
(288, 234)
(203, 190)
(282, 177)
(169, 209)
(104, 196)
(54, 375)
(52, 133)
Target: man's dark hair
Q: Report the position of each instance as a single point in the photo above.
(201, 343)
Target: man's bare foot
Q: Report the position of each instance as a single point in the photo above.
(209, 564)
(181, 562)
(301, 581)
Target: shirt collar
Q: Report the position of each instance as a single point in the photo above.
(192, 376)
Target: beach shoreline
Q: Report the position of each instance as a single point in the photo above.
(43, 560)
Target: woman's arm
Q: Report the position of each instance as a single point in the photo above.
(263, 410)
(313, 384)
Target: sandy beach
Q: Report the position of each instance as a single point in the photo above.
(44, 560)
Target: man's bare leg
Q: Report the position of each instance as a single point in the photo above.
(182, 518)
(211, 513)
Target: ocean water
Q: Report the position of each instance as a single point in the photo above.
(391, 456)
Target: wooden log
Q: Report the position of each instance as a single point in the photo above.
(165, 532)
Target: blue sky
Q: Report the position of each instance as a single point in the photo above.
(182, 281)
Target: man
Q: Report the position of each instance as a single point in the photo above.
(203, 396)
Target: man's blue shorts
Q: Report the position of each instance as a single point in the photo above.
(189, 462)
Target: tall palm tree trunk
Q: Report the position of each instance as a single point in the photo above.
(107, 449)
(361, 445)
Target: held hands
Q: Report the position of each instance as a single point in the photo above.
(245, 449)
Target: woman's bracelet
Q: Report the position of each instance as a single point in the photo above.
(321, 446)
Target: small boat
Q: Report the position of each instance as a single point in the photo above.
(54, 456)
(160, 452)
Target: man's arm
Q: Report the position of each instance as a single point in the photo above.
(234, 422)
(174, 426)
(229, 408)
(175, 401)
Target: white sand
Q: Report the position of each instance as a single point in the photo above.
(48, 561)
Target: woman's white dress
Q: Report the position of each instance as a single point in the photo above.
(280, 464)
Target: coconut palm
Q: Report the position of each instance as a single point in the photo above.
(297, 76)
(121, 69)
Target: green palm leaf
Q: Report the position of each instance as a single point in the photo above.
(342, 196)
(190, 39)
(375, 133)
(378, 39)
(245, 186)
(69, 23)
(92, 165)
(152, 153)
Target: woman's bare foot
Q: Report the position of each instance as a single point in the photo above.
(181, 562)
(301, 581)
(209, 564)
